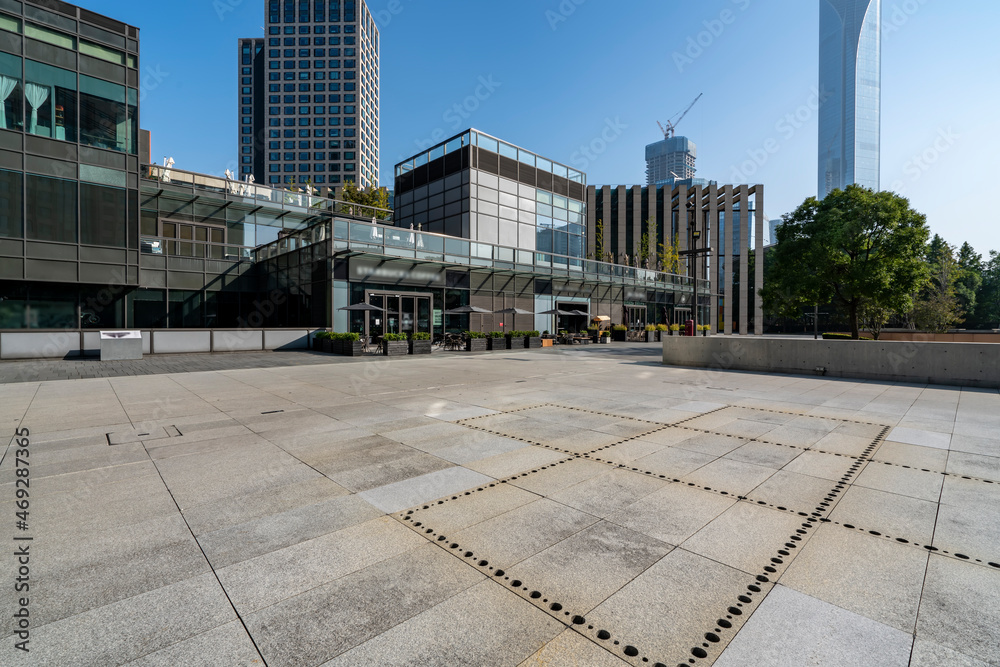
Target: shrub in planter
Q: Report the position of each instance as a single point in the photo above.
(420, 343)
(395, 344)
(497, 340)
(704, 329)
(475, 341)
(595, 334)
(322, 342)
(343, 343)
(532, 339)
(650, 333)
(619, 332)
(605, 337)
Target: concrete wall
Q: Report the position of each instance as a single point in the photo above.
(964, 364)
(61, 344)
(942, 338)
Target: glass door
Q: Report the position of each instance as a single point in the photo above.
(407, 314)
(424, 315)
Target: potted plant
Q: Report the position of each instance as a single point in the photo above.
(674, 329)
(322, 342)
(605, 337)
(704, 329)
(348, 344)
(420, 343)
(532, 339)
(650, 333)
(497, 340)
(475, 341)
(619, 332)
(660, 328)
(395, 344)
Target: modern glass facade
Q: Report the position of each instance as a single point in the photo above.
(850, 94)
(670, 160)
(478, 187)
(309, 95)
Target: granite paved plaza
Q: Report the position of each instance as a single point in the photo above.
(584, 507)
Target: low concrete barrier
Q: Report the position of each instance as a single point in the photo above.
(65, 343)
(962, 364)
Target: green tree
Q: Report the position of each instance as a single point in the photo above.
(856, 248)
(670, 258)
(937, 307)
(988, 295)
(370, 199)
(968, 280)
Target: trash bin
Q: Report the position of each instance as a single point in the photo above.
(121, 345)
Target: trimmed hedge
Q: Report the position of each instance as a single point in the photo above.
(420, 335)
(476, 334)
(330, 335)
(394, 337)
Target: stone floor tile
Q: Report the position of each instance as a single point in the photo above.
(227, 644)
(423, 488)
(673, 513)
(960, 608)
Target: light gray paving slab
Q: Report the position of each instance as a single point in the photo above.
(586, 568)
(973, 532)
(115, 633)
(423, 488)
(378, 467)
(901, 481)
(913, 456)
(764, 454)
(667, 609)
(499, 628)
(558, 476)
(237, 543)
(322, 623)
(673, 513)
(227, 644)
(522, 532)
(928, 654)
(478, 506)
(818, 464)
(608, 493)
(476, 446)
(864, 574)
(974, 465)
(791, 629)
(570, 649)
(960, 608)
(734, 477)
(260, 582)
(792, 490)
(890, 514)
(924, 438)
(986, 446)
(699, 406)
(517, 461)
(745, 537)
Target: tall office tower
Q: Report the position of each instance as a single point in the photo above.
(309, 95)
(670, 160)
(850, 85)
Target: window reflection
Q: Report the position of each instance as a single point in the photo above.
(50, 93)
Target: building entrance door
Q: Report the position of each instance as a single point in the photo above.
(405, 313)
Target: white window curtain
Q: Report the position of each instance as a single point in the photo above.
(7, 86)
(36, 95)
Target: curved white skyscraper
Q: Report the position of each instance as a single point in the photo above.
(850, 84)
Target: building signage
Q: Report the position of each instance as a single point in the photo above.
(635, 295)
(396, 273)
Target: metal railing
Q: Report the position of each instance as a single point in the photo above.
(426, 246)
(155, 245)
(257, 195)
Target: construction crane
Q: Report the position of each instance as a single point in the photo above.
(668, 131)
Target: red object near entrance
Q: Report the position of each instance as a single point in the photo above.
(689, 328)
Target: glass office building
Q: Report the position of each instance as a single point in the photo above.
(850, 73)
(478, 187)
(309, 95)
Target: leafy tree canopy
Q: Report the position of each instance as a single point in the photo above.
(857, 248)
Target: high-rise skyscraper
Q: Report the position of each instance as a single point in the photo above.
(850, 85)
(671, 159)
(309, 95)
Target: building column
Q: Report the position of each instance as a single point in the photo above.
(727, 232)
(590, 220)
(758, 280)
(713, 269)
(620, 222)
(744, 250)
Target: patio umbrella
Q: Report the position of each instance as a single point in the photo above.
(579, 313)
(512, 311)
(556, 311)
(463, 310)
(363, 307)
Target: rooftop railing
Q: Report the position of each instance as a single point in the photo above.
(425, 246)
(301, 201)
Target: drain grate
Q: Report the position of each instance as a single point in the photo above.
(134, 435)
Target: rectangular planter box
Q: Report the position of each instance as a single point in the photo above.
(476, 344)
(347, 348)
(650, 337)
(532, 342)
(605, 340)
(392, 348)
(497, 343)
(547, 342)
(325, 345)
(420, 346)
(619, 336)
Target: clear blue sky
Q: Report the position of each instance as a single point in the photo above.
(561, 70)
